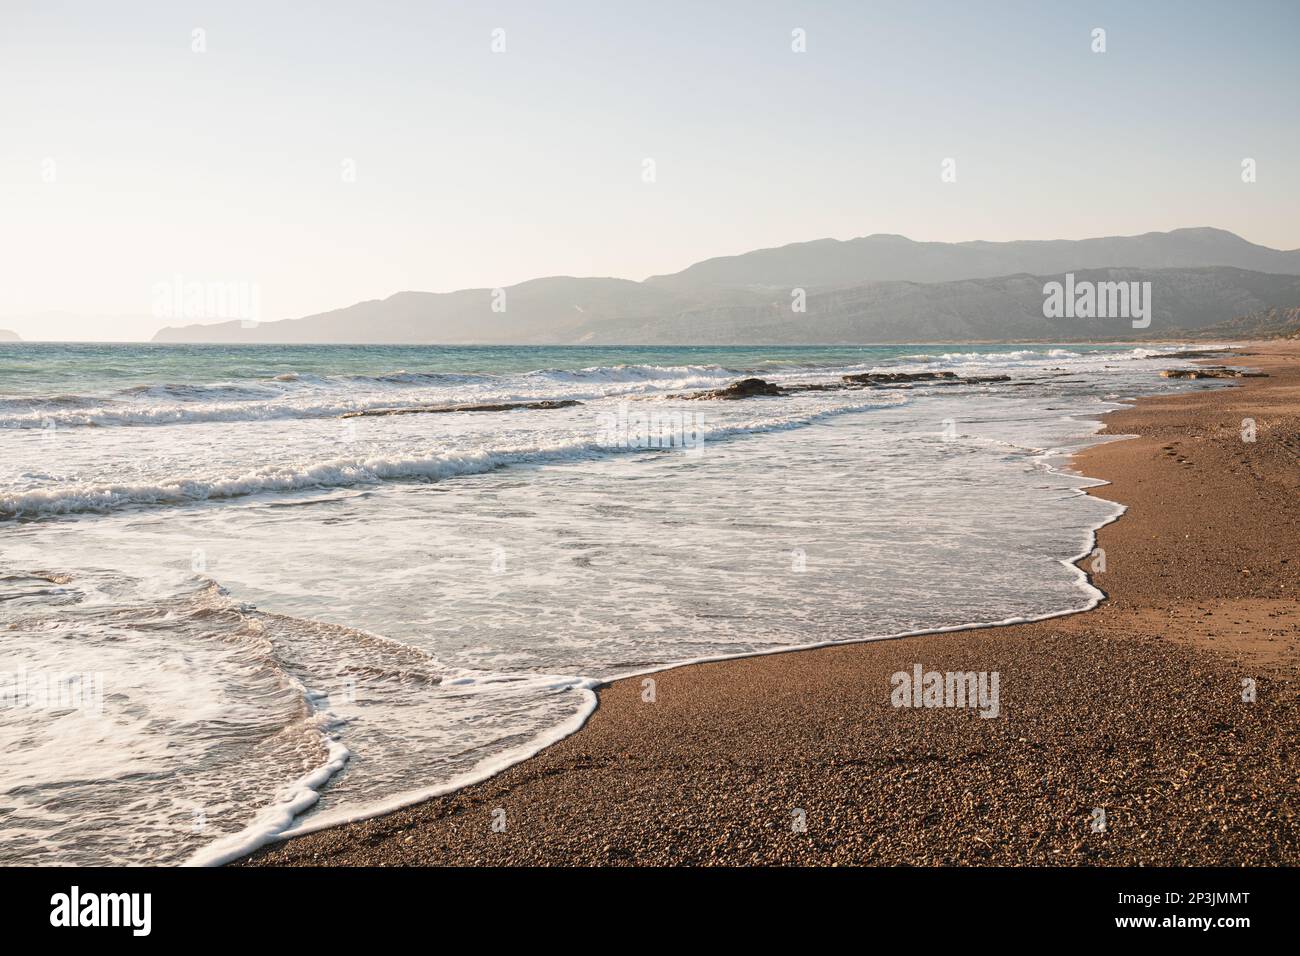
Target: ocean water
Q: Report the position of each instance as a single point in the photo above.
(228, 612)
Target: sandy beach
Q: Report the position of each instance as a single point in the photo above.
(1135, 708)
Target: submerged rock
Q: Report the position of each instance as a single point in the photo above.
(981, 379)
(443, 409)
(895, 378)
(906, 379)
(1195, 353)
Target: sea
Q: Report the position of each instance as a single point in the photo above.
(232, 608)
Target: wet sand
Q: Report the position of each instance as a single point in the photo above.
(1135, 708)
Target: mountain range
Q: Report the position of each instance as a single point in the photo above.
(875, 289)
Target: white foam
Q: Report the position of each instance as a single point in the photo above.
(274, 827)
(71, 497)
(276, 823)
(275, 820)
(301, 395)
(294, 395)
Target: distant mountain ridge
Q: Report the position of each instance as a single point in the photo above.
(874, 289)
(1001, 308)
(539, 311)
(888, 258)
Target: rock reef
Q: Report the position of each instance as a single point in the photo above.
(760, 388)
(1213, 372)
(444, 409)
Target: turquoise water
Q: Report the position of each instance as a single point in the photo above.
(53, 368)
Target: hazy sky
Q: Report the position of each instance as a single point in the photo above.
(475, 168)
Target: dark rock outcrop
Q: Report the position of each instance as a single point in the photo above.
(898, 378)
(1195, 354)
(1211, 373)
(757, 387)
(745, 388)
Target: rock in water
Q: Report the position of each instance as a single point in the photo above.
(745, 388)
(895, 378)
(447, 409)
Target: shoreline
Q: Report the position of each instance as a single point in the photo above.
(619, 789)
(259, 835)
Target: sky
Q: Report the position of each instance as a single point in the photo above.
(331, 152)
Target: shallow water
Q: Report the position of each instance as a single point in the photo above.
(296, 618)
